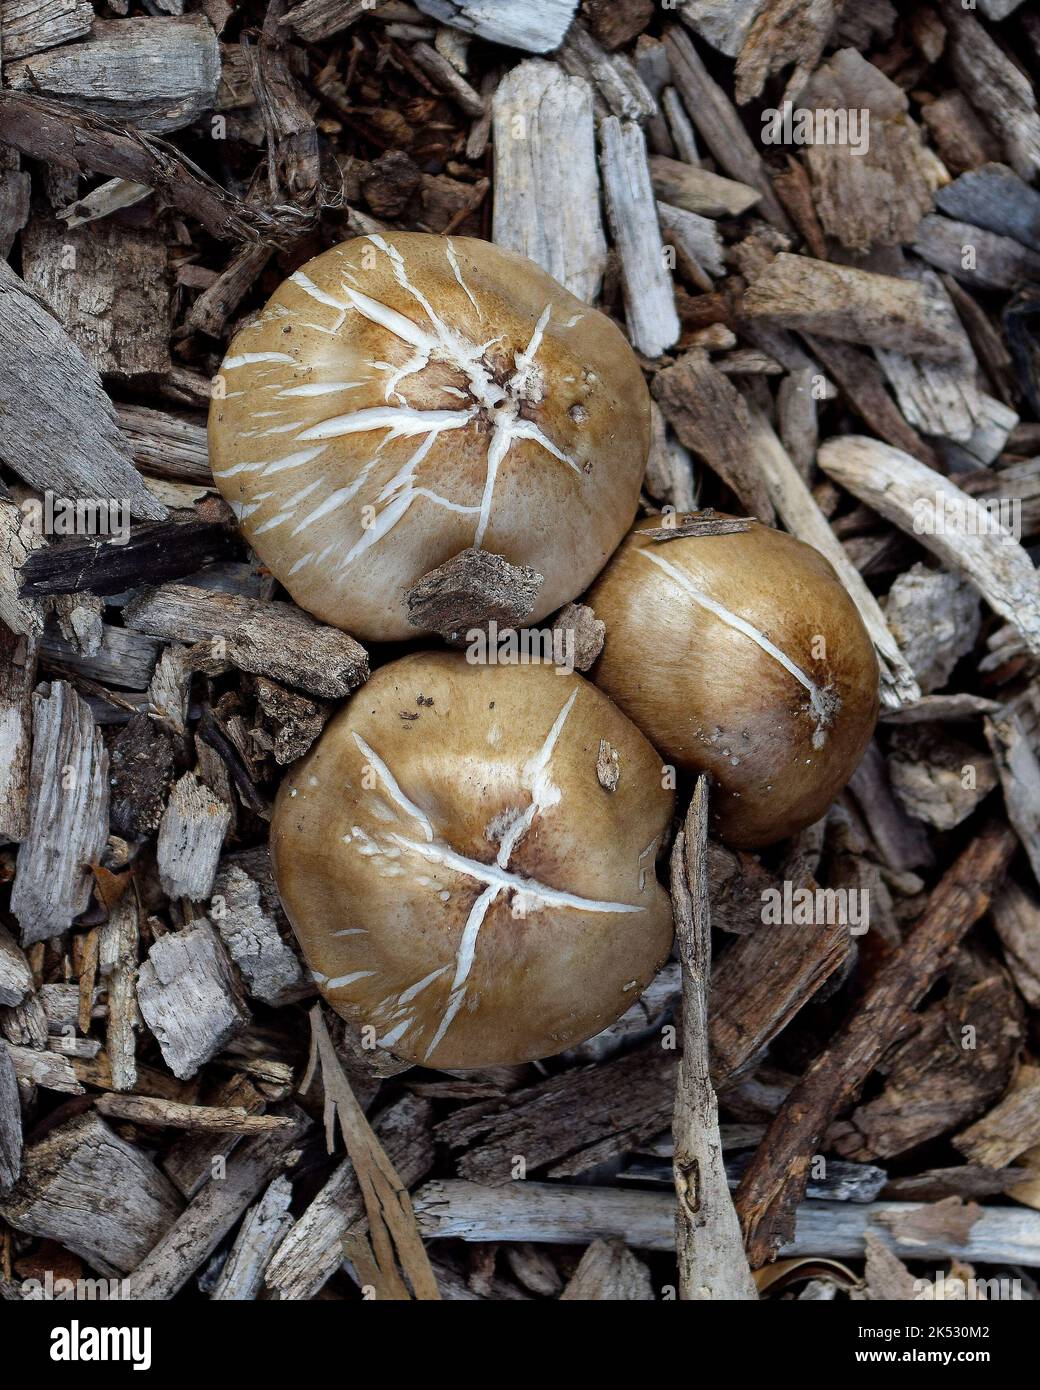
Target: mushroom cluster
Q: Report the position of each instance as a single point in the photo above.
(405, 397)
(468, 853)
(463, 880)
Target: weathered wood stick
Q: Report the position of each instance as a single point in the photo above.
(563, 1215)
(172, 1114)
(712, 1263)
(775, 1181)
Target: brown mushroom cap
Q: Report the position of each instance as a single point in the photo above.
(741, 655)
(405, 397)
(456, 874)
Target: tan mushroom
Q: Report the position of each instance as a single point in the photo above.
(741, 655)
(405, 397)
(462, 883)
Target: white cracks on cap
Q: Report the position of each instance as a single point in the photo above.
(453, 261)
(401, 421)
(341, 981)
(320, 388)
(248, 359)
(496, 878)
(823, 703)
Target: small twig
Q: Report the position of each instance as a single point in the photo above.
(704, 523)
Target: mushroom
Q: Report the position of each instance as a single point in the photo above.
(405, 397)
(462, 884)
(741, 655)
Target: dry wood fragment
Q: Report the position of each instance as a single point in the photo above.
(169, 445)
(172, 1114)
(68, 815)
(857, 306)
(315, 20)
(117, 963)
(445, 76)
(938, 779)
(74, 140)
(996, 198)
(189, 1160)
(800, 514)
(973, 255)
(191, 834)
(710, 417)
(999, 90)
(17, 678)
(108, 197)
(32, 25)
(470, 590)
(583, 632)
(609, 1272)
(264, 1227)
(962, 139)
(311, 1252)
(712, 1263)
(396, 1247)
(719, 123)
(621, 90)
(268, 639)
(1019, 771)
(92, 1192)
(1009, 1129)
(945, 520)
(156, 73)
(10, 1122)
(783, 32)
(699, 191)
(653, 323)
(189, 998)
(61, 432)
(537, 26)
(215, 305)
(772, 1187)
(1016, 920)
(207, 1219)
(53, 1071)
(269, 965)
(560, 1214)
(16, 977)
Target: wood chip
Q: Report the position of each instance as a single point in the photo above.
(188, 997)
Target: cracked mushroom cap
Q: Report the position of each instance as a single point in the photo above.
(741, 655)
(405, 397)
(458, 876)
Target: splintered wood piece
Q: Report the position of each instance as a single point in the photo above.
(268, 639)
(10, 1122)
(699, 191)
(653, 323)
(712, 1263)
(29, 26)
(546, 201)
(68, 815)
(168, 445)
(76, 141)
(191, 834)
(1016, 920)
(723, 24)
(608, 1271)
(558, 1214)
(264, 1227)
(616, 79)
(189, 1161)
(16, 977)
(1019, 770)
(698, 525)
(696, 240)
(17, 678)
(172, 1114)
(583, 633)
(719, 124)
(315, 20)
(710, 416)
(999, 91)
(1009, 1129)
(189, 998)
(783, 32)
(973, 255)
(60, 429)
(396, 1245)
(155, 73)
(162, 550)
(927, 769)
(207, 1219)
(945, 520)
(107, 285)
(775, 1181)
(312, 1250)
(801, 515)
(470, 590)
(994, 197)
(537, 26)
(117, 962)
(270, 967)
(857, 306)
(93, 1193)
